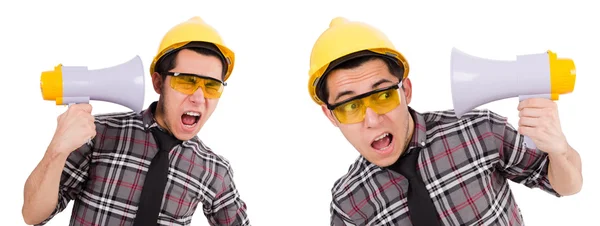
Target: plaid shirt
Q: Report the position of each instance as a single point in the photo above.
(106, 178)
(464, 163)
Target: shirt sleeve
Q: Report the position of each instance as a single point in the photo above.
(228, 208)
(517, 162)
(74, 175)
(338, 217)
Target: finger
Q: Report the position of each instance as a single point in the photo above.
(85, 107)
(533, 112)
(81, 107)
(535, 103)
(89, 118)
(91, 126)
(529, 122)
(527, 131)
(88, 130)
(93, 134)
(72, 110)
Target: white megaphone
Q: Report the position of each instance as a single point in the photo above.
(477, 81)
(121, 84)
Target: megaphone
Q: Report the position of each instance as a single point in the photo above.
(122, 84)
(476, 81)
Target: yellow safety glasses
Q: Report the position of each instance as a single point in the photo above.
(188, 84)
(353, 110)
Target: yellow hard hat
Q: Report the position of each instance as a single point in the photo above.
(342, 38)
(194, 30)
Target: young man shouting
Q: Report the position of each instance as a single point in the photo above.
(429, 168)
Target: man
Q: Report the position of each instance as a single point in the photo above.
(427, 168)
(145, 168)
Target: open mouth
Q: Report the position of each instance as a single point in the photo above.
(382, 142)
(190, 118)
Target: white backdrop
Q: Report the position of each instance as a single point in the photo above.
(285, 153)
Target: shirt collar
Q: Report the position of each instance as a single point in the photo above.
(419, 135)
(148, 116)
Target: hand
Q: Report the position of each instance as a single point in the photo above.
(74, 128)
(539, 121)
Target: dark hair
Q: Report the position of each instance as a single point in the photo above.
(393, 67)
(169, 61)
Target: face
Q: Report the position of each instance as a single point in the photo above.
(185, 114)
(380, 138)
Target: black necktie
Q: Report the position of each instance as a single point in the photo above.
(156, 180)
(420, 207)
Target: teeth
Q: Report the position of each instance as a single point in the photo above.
(191, 113)
(381, 137)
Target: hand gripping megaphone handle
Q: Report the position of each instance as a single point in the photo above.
(528, 141)
(77, 100)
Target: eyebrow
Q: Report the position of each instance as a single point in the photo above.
(374, 86)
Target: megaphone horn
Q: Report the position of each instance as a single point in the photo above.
(476, 81)
(122, 84)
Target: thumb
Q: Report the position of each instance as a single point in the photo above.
(86, 107)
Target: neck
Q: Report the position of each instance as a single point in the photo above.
(411, 129)
(159, 116)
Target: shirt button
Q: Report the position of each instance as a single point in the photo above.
(422, 143)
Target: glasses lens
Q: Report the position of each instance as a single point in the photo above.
(384, 101)
(188, 84)
(351, 112)
(212, 88)
(354, 111)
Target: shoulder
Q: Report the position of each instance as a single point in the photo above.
(448, 118)
(119, 120)
(218, 163)
(352, 181)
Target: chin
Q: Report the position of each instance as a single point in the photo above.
(184, 137)
(383, 162)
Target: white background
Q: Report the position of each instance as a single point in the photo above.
(285, 153)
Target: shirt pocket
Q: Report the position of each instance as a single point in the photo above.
(179, 202)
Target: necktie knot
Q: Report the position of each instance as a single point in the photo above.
(407, 165)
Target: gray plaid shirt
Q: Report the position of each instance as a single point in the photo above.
(465, 164)
(106, 179)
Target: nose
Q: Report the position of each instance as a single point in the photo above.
(197, 97)
(372, 119)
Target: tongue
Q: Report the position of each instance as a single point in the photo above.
(381, 143)
(188, 120)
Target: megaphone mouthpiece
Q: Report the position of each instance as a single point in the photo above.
(51, 83)
(122, 84)
(562, 74)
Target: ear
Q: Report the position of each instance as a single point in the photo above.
(157, 82)
(329, 115)
(407, 89)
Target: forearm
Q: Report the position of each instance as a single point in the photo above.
(41, 188)
(564, 172)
